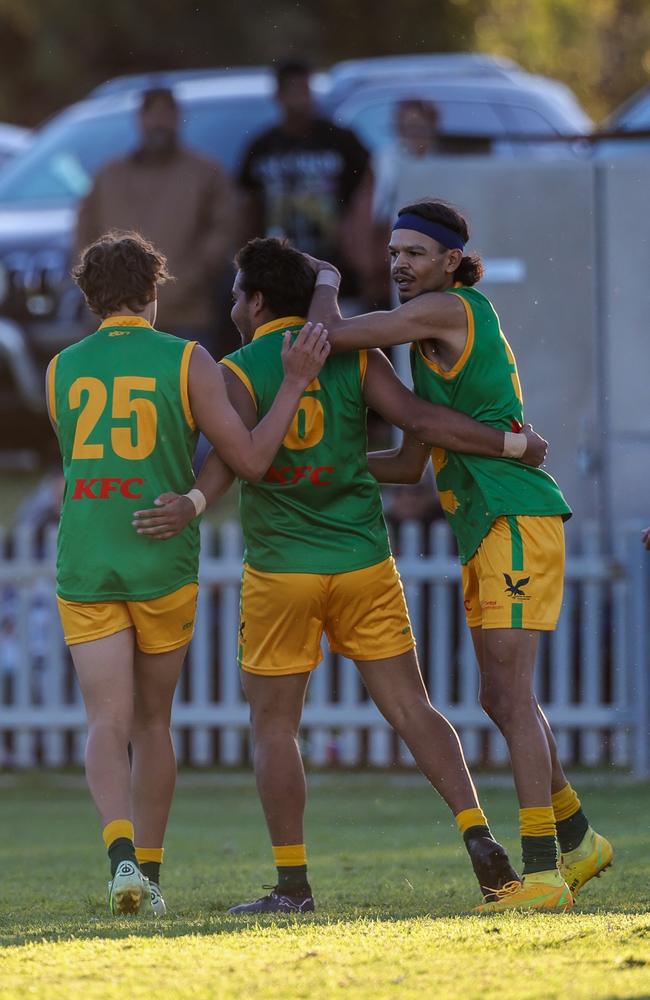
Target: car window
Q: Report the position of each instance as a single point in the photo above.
(637, 116)
(373, 122)
(525, 120)
(64, 158)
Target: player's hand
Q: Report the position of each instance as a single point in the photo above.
(645, 538)
(171, 514)
(536, 447)
(303, 359)
(321, 265)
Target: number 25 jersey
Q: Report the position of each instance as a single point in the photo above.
(119, 401)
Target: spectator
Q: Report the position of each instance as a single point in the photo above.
(417, 139)
(181, 202)
(310, 181)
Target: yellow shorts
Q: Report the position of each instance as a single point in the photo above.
(161, 625)
(283, 617)
(515, 579)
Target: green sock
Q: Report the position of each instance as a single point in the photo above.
(539, 854)
(151, 870)
(571, 831)
(293, 880)
(120, 850)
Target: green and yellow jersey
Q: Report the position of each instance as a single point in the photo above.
(119, 402)
(318, 509)
(484, 384)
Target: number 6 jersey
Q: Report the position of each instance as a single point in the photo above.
(119, 402)
(318, 509)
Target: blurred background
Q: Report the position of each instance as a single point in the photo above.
(534, 118)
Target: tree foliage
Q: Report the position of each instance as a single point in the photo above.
(53, 51)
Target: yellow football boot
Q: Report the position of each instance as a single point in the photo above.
(591, 857)
(541, 891)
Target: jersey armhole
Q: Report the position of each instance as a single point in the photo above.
(242, 376)
(51, 389)
(363, 366)
(467, 349)
(185, 383)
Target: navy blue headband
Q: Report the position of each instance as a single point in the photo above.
(435, 230)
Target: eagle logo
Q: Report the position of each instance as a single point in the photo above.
(514, 589)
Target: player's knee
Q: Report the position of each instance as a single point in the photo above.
(116, 729)
(267, 724)
(146, 721)
(404, 714)
(506, 707)
(497, 704)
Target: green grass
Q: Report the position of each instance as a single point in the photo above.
(394, 894)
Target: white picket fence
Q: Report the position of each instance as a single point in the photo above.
(593, 672)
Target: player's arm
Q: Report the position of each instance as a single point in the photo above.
(174, 511)
(405, 464)
(250, 452)
(439, 426)
(645, 537)
(430, 316)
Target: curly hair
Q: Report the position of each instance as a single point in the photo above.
(120, 269)
(279, 272)
(471, 268)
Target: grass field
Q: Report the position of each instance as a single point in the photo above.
(393, 889)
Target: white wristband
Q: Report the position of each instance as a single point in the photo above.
(197, 499)
(328, 277)
(514, 445)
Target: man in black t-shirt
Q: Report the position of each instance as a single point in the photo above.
(310, 181)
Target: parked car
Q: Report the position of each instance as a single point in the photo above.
(40, 309)
(496, 110)
(14, 139)
(632, 116)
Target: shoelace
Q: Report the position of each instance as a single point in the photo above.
(506, 890)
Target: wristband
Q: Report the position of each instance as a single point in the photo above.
(198, 500)
(328, 277)
(514, 445)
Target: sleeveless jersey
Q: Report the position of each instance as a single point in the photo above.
(120, 404)
(484, 384)
(318, 509)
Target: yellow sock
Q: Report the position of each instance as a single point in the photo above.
(537, 821)
(538, 843)
(565, 803)
(290, 855)
(468, 818)
(144, 854)
(117, 829)
(291, 864)
(149, 860)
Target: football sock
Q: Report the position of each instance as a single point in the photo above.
(538, 843)
(572, 824)
(472, 823)
(150, 860)
(118, 837)
(291, 863)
